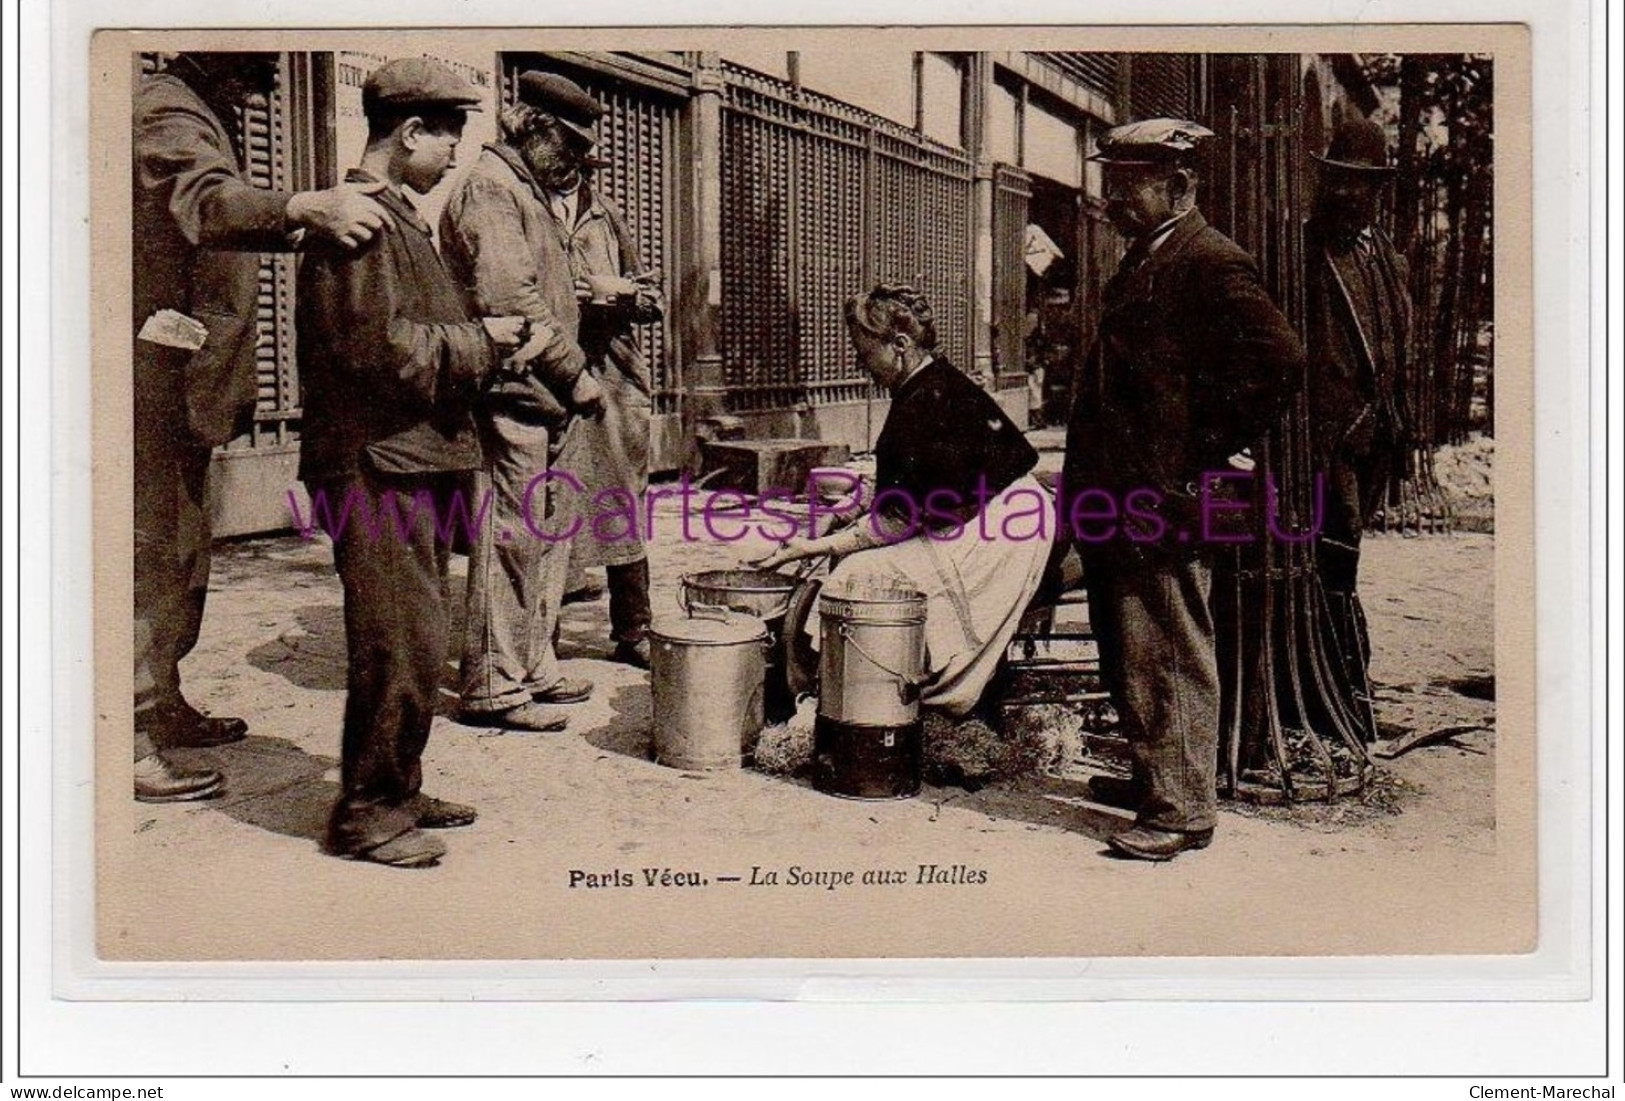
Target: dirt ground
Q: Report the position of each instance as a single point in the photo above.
(1414, 866)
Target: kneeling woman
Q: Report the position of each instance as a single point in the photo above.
(957, 514)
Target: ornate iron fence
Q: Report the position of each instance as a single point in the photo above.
(820, 200)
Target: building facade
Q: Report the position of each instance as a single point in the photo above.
(766, 187)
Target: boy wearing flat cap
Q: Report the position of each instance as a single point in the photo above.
(1192, 363)
(199, 226)
(390, 362)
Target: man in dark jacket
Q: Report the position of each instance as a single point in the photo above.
(391, 363)
(199, 227)
(1359, 338)
(1191, 365)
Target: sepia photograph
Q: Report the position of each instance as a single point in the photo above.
(837, 493)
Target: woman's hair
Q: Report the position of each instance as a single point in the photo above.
(893, 308)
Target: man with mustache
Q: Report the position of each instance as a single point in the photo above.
(1192, 364)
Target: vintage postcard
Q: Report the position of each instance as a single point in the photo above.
(813, 493)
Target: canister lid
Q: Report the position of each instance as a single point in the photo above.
(710, 628)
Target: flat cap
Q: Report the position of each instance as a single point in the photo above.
(415, 82)
(1153, 141)
(562, 98)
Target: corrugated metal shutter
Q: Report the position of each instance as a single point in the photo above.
(263, 134)
(1096, 71)
(1162, 85)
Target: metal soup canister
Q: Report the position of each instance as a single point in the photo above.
(866, 742)
(707, 672)
(761, 593)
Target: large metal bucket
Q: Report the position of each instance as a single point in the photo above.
(764, 594)
(707, 675)
(867, 740)
(761, 593)
(873, 655)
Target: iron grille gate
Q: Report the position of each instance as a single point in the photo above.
(821, 200)
(1011, 189)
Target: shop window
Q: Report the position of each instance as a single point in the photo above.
(878, 79)
(942, 98)
(1050, 147)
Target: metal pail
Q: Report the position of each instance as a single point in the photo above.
(873, 655)
(761, 593)
(867, 739)
(764, 594)
(707, 674)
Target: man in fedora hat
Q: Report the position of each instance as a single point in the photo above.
(199, 228)
(1191, 364)
(507, 252)
(391, 362)
(1359, 338)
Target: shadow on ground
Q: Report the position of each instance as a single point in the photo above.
(629, 730)
(271, 784)
(309, 655)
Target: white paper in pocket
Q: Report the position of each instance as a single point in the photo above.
(173, 329)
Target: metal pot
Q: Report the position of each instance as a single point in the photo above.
(707, 673)
(867, 741)
(873, 656)
(761, 593)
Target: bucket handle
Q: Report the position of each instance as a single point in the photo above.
(722, 614)
(908, 686)
(707, 611)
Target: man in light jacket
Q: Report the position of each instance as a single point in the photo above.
(508, 254)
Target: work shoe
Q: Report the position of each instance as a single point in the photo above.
(440, 814)
(412, 849)
(1150, 843)
(529, 717)
(587, 594)
(182, 726)
(158, 781)
(565, 691)
(632, 653)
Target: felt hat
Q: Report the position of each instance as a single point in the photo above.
(1357, 145)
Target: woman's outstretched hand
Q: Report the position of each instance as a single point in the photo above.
(791, 550)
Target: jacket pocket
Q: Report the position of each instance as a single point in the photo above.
(220, 378)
